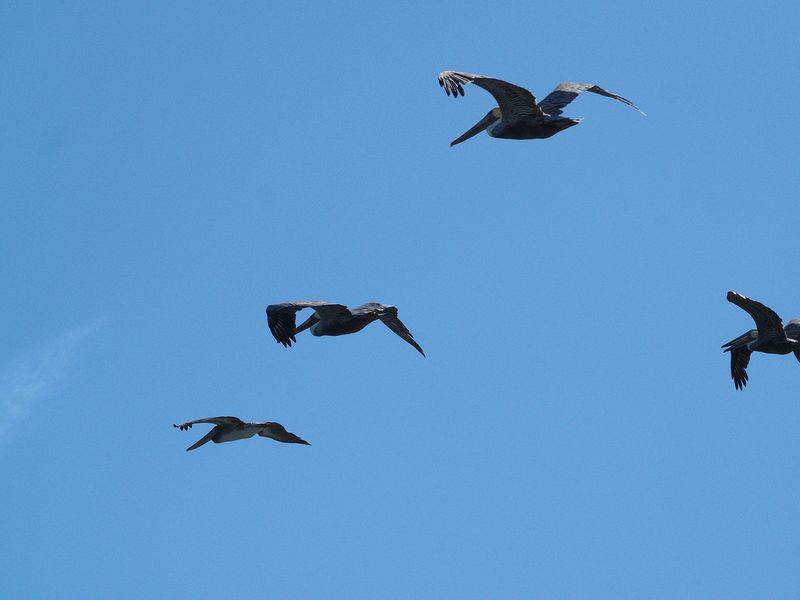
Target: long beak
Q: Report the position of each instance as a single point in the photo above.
(307, 323)
(477, 128)
(203, 440)
(740, 341)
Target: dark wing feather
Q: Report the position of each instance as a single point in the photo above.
(566, 92)
(515, 102)
(214, 420)
(390, 319)
(740, 358)
(281, 322)
(768, 322)
(281, 317)
(332, 311)
(278, 432)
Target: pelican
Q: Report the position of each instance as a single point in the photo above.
(333, 319)
(770, 336)
(230, 429)
(519, 117)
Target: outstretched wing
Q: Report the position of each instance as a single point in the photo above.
(281, 317)
(214, 420)
(566, 92)
(400, 329)
(278, 432)
(740, 358)
(388, 314)
(768, 322)
(515, 102)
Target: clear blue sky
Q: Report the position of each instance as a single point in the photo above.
(573, 433)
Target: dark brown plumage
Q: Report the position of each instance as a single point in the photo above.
(770, 336)
(333, 319)
(518, 115)
(229, 429)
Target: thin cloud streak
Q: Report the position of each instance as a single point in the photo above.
(38, 373)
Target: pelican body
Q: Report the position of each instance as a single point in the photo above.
(531, 129)
(333, 319)
(359, 319)
(519, 116)
(770, 337)
(231, 429)
(528, 128)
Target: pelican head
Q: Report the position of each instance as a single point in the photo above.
(492, 117)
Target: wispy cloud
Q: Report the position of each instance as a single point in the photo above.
(38, 373)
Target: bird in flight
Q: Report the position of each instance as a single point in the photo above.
(333, 319)
(519, 116)
(770, 336)
(230, 429)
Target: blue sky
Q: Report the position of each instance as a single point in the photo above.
(573, 432)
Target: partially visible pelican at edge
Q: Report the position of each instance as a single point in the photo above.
(770, 336)
(333, 319)
(230, 429)
(518, 116)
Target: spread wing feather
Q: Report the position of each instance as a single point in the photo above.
(281, 317)
(566, 92)
(768, 322)
(515, 102)
(740, 358)
(388, 315)
(214, 420)
(278, 432)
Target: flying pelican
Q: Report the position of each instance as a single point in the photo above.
(333, 319)
(519, 117)
(770, 336)
(230, 429)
